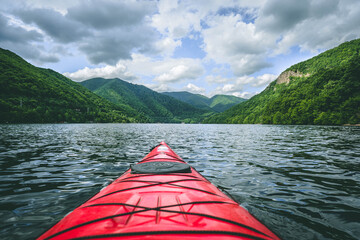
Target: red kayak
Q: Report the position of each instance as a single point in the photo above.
(161, 197)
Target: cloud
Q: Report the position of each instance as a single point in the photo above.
(162, 71)
(233, 89)
(240, 45)
(278, 15)
(259, 81)
(16, 34)
(166, 46)
(112, 45)
(159, 87)
(246, 95)
(30, 51)
(216, 79)
(143, 40)
(194, 89)
(105, 32)
(24, 40)
(166, 70)
(117, 71)
(119, 29)
(174, 19)
(54, 24)
(228, 89)
(316, 25)
(110, 14)
(180, 72)
(236, 86)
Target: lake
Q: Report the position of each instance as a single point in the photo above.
(303, 182)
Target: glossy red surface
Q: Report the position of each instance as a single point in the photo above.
(160, 206)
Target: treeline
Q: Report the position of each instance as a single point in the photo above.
(153, 106)
(217, 103)
(329, 96)
(35, 95)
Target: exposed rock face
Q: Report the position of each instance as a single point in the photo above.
(285, 76)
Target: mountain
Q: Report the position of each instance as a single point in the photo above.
(217, 103)
(155, 106)
(220, 103)
(322, 90)
(196, 100)
(29, 94)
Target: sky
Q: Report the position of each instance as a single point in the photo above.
(202, 46)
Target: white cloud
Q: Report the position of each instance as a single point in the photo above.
(228, 89)
(139, 43)
(245, 95)
(236, 86)
(233, 89)
(263, 80)
(163, 70)
(117, 71)
(167, 46)
(176, 19)
(259, 81)
(217, 79)
(180, 72)
(194, 89)
(239, 44)
(159, 87)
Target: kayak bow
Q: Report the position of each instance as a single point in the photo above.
(161, 197)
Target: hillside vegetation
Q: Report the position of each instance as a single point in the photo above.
(322, 90)
(217, 103)
(29, 94)
(151, 105)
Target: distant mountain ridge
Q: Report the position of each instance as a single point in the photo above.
(153, 106)
(322, 90)
(217, 103)
(29, 94)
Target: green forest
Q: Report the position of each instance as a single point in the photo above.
(217, 103)
(150, 106)
(35, 95)
(324, 90)
(31, 94)
(328, 93)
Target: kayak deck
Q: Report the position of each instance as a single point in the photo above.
(161, 197)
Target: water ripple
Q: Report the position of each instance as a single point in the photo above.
(301, 181)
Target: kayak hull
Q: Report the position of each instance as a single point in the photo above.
(154, 202)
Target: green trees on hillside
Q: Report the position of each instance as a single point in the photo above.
(35, 95)
(327, 93)
(217, 103)
(146, 103)
(329, 96)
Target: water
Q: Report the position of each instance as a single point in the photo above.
(301, 181)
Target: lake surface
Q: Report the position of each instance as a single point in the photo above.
(303, 182)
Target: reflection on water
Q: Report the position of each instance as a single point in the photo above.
(301, 181)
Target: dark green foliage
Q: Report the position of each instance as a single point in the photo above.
(330, 95)
(150, 105)
(35, 95)
(217, 103)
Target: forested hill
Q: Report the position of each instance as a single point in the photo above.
(155, 106)
(29, 94)
(217, 103)
(322, 90)
(220, 103)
